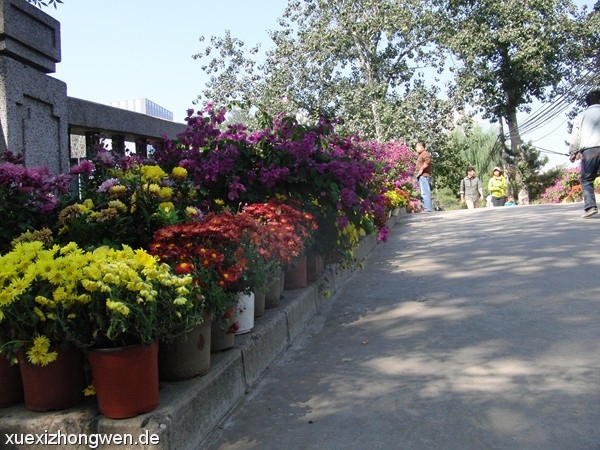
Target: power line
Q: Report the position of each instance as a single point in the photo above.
(547, 112)
(545, 150)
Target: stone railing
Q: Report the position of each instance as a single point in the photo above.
(37, 118)
(89, 122)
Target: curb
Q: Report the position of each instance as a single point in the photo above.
(189, 410)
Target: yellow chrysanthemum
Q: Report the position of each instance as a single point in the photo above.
(86, 206)
(89, 390)
(117, 191)
(38, 312)
(118, 205)
(166, 193)
(119, 307)
(179, 173)
(60, 294)
(167, 206)
(44, 301)
(153, 188)
(38, 353)
(152, 174)
(182, 290)
(190, 211)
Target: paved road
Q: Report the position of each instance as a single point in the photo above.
(467, 330)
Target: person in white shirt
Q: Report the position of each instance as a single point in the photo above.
(585, 145)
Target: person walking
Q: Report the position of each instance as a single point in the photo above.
(423, 173)
(497, 187)
(471, 189)
(585, 145)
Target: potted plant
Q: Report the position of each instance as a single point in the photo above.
(215, 251)
(124, 201)
(35, 309)
(133, 301)
(104, 301)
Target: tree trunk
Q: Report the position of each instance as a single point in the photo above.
(517, 149)
(376, 121)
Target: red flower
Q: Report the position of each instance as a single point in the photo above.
(184, 268)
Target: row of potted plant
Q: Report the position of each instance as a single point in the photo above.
(57, 298)
(127, 250)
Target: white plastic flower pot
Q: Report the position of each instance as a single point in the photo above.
(244, 313)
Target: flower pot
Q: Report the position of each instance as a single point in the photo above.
(58, 385)
(314, 266)
(259, 303)
(126, 379)
(186, 356)
(244, 313)
(11, 387)
(220, 339)
(296, 278)
(273, 293)
(281, 284)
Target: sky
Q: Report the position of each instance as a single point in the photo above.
(119, 50)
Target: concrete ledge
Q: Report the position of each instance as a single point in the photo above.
(261, 346)
(300, 311)
(190, 410)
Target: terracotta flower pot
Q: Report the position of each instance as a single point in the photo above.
(58, 385)
(296, 278)
(126, 379)
(11, 387)
(314, 266)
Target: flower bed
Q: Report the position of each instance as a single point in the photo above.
(145, 249)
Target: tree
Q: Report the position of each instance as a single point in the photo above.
(362, 61)
(511, 52)
(234, 72)
(478, 147)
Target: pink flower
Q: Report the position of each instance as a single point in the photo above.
(85, 167)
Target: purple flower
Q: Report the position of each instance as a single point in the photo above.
(84, 167)
(105, 157)
(106, 185)
(342, 222)
(382, 234)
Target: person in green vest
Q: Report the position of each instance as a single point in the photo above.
(497, 187)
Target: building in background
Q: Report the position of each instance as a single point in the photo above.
(144, 106)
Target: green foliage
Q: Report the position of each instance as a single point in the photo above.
(543, 181)
(446, 200)
(513, 51)
(360, 61)
(448, 168)
(40, 3)
(478, 146)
